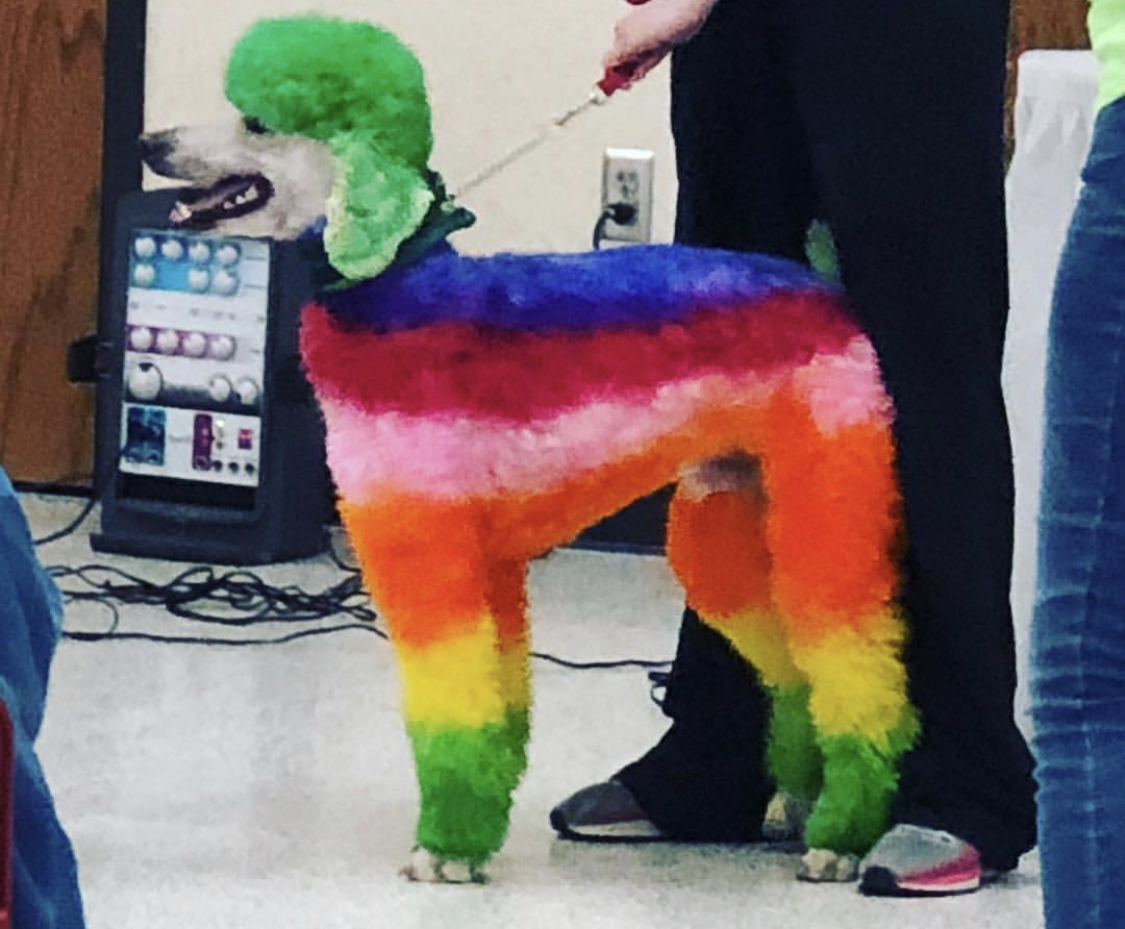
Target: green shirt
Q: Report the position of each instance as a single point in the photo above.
(1107, 35)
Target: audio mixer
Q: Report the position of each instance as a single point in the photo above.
(195, 343)
(210, 446)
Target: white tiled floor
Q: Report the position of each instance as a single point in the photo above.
(272, 787)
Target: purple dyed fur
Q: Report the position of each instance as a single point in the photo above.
(642, 285)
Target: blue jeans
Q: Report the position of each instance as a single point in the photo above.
(1078, 639)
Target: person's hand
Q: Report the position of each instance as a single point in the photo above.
(643, 37)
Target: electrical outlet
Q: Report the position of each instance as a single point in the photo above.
(627, 178)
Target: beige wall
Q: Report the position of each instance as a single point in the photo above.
(497, 71)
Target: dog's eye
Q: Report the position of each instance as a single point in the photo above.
(254, 126)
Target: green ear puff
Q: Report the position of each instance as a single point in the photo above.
(377, 202)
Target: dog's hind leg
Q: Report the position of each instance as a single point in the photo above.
(457, 620)
(717, 547)
(832, 528)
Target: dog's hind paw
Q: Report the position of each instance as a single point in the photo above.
(821, 865)
(785, 818)
(428, 868)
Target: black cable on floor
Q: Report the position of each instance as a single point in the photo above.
(71, 526)
(204, 640)
(242, 599)
(95, 493)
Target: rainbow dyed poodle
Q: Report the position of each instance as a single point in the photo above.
(481, 411)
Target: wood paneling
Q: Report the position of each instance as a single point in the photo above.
(1049, 24)
(50, 165)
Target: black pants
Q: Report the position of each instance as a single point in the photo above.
(882, 117)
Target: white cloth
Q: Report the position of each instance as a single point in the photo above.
(1054, 118)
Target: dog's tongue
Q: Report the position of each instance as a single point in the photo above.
(228, 198)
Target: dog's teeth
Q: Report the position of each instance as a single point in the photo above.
(248, 197)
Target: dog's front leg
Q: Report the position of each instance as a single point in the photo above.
(457, 621)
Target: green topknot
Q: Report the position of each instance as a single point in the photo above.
(359, 90)
(324, 78)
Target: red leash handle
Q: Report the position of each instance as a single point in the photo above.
(620, 75)
(616, 77)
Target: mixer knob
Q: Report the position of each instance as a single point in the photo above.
(200, 253)
(145, 247)
(172, 249)
(248, 391)
(141, 338)
(144, 275)
(222, 347)
(145, 381)
(167, 341)
(198, 280)
(219, 389)
(195, 344)
(228, 255)
(225, 283)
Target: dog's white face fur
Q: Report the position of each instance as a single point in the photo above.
(284, 180)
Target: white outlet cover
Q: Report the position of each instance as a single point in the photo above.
(627, 177)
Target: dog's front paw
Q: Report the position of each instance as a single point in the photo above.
(428, 868)
(821, 865)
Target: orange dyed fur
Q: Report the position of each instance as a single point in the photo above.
(812, 545)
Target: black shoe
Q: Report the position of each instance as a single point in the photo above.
(605, 812)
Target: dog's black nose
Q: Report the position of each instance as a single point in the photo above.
(156, 147)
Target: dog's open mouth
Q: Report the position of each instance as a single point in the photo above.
(229, 198)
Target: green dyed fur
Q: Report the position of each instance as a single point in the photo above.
(372, 200)
(466, 778)
(860, 777)
(793, 756)
(820, 250)
(360, 90)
